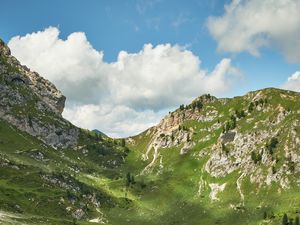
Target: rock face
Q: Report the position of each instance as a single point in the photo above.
(171, 132)
(256, 135)
(227, 137)
(215, 189)
(13, 72)
(32, 103)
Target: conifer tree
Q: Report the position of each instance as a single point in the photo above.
(285, 220)
(265, 215)
(128, 179)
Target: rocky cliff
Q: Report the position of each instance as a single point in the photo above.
(256, 135)
(32, 103)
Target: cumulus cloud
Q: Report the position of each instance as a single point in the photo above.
(72, 64)
(115, 120)
(249, 25)
(126, 96)
(293, 82)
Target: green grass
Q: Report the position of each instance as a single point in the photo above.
(23, 189)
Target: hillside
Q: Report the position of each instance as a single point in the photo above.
(215, 161)
(232, 158)
(46, 163)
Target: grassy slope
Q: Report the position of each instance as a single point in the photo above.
(174, 199)
(24, 193)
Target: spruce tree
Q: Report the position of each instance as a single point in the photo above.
(285, 220)
(128, 179)
(265, 215)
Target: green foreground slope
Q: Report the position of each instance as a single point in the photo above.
(42, 185)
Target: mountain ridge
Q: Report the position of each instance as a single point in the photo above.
(253, 138)
(175, 120)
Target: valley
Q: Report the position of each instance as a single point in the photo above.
(214, 161)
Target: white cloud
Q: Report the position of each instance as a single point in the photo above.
(115, 120)
(163, 76)
(72, 64)
(293, 82)
(122, 97)
(249, 25)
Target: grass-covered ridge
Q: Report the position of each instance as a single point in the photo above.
(252, 191)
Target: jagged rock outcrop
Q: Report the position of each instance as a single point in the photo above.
(13, 72)
(171, 132)
(256, 135)
(32, 103)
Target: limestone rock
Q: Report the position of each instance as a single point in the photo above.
(33, 104)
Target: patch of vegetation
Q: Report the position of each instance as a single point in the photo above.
(256, 157)
(230, 125)
(271, 145)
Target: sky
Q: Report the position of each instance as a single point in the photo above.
(123, 65)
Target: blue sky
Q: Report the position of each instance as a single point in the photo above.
(114, 26)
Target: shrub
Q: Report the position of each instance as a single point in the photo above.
(272, 145)
(197, 105)
(250, 107)
(123, 143)
(240, 114)
(256, 157)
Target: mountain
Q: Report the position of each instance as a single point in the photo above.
(99, 132)
(46, 163)
(214, 161)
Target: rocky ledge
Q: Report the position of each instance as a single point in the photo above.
(32, 103)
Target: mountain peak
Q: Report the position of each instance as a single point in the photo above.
(32, 103)
(4, 48)
(12, 72)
